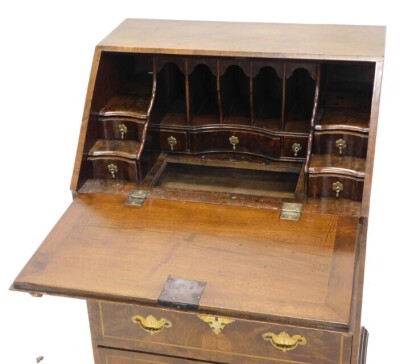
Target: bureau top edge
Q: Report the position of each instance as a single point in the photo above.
(210, 38)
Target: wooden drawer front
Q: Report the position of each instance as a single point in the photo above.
(295, 147)
(236, 141)
(322, 186)
(354, 145)
(104, 168)
(111, 356)
(166, 140)
(185, 334)
(120, 128)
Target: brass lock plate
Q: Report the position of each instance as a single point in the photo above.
(181, 293)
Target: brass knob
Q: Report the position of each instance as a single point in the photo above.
(151, 324)
(284, 341)
(337, 187)
(340, 145)
(172, 142)
(296, 148)
(122, 130)
(233, 140)
(112, 168)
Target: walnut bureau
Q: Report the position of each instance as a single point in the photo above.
(221, 194)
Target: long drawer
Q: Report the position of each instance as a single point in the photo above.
(215, 338)
(236, 141)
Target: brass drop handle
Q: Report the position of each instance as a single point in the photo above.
(151, 324)
(340, 145)
(233, 140)
(296, 148)
(172, 142)
(284, 341)
(113, 169)
(337, 187)
(122, 130)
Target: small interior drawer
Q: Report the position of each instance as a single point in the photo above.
(335, 186)
(114, 168)
(120, 128)
(346, 144)
(295, 147)
(167, 140)
(216, 338)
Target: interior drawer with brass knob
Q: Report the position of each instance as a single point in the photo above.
(329, 185)
(167, 140)
(114, 168)
(241, 141)
(295, 147)
(120, 128)
(215, 338)
(345, 144)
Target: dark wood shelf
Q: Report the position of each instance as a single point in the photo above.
(176, 115)
(274, 125)
(133, 100)
(332, 163)
(115, 148)
(297, 126)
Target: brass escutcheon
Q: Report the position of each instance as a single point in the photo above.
(217, 324)
(296, 148)
(172, 142)
(112, 168)
(151, 324)
(337, 187)
(122, 130)
(284, 341)
(340, 145)
(234, 141)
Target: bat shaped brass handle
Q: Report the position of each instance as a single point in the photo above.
(284, 341)
(151, 324)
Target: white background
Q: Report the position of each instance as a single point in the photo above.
(46, 50)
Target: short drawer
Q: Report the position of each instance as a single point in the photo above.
(335, 186)
(295, 147)
(113, 356)
(346, 144)
(114, 168)
(120, 128)
(216, 338)
(168, 141)
(236, 141)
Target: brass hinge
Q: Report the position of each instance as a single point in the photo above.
(291, 211)
(136, 198)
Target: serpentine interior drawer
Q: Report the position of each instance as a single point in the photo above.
(331, 185)
(236, 141)
(216, 338)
